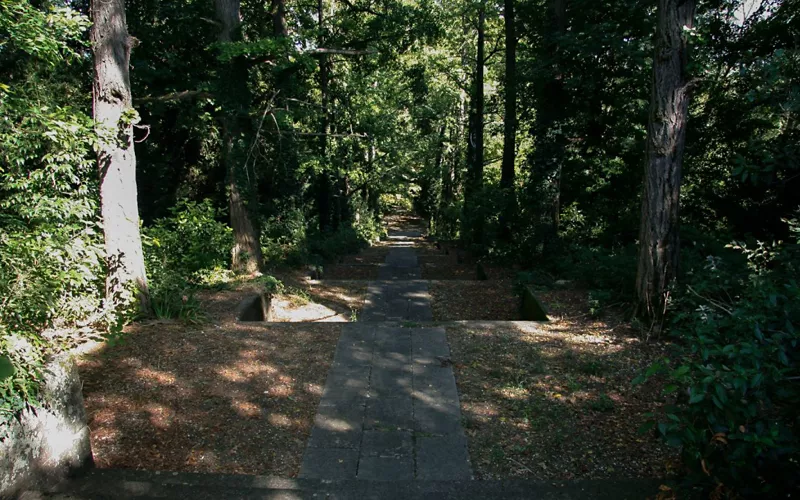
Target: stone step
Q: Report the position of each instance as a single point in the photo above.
(135, 484)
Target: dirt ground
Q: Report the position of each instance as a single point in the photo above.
(210, 398)
(555, 400)
(454, 300)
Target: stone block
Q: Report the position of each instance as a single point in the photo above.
(47, 444)
(532, 309)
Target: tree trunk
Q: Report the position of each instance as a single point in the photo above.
(278, 11)
(550, 115)
(666, 136)
(235, 99)
(324, 183)
(509, 124)
(474, 219)
(116, 157)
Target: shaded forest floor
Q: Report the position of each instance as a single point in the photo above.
(550, 401)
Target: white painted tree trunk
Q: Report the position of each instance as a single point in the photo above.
(116, 158)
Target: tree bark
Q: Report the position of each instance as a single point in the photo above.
(475, 140)
(550, 114)
(116, 159)
(324, 183)
(666, 136)
(234, 96)
(509, 123)
(278, 10)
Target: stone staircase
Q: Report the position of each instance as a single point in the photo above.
(388, 424)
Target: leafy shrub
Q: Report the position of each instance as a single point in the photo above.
(367, 225)
(51, 253)
(598, 299)
(602, 404)
(283, 238)
(733, 381)
(192, 239)
(172, 296)
(446, 222)
(328, 246)
(182, 252)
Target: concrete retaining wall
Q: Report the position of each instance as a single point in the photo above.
(45, 445)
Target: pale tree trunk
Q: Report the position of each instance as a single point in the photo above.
(666, 136)
(116, 158)
(234, 96)
(509, 124)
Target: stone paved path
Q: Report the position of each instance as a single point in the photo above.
(390, 408)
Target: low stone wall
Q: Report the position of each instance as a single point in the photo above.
(47, 444)
(255, 307)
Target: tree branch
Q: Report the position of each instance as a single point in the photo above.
(176, 96)
(362, 9)
(494, 50)
(320, 134)
(341, 52)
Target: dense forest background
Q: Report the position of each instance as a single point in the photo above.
(278, 133)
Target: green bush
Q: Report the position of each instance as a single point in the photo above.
(181, 253)
(51, 252)
(283, 238)
(192, 239)
(329, 246)
(733, 382)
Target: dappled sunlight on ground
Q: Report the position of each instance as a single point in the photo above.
(239, 399)
(548, 401)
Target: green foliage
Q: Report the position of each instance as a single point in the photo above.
(6, 368)
(597, 300)
(192, 239)
(182, 252)
(51, 254)
(48, 35)
(328, 246)
(283, 238)
(732, 381)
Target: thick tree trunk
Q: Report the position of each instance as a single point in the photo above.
(235, 100)
(509, 124)
(666, 136)
(116, 157)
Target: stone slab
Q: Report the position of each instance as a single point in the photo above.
(395, 412)
(386, 468)
(434, 416)
(329, 463)
(46, 445)
(442, 458)
(387, 443)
